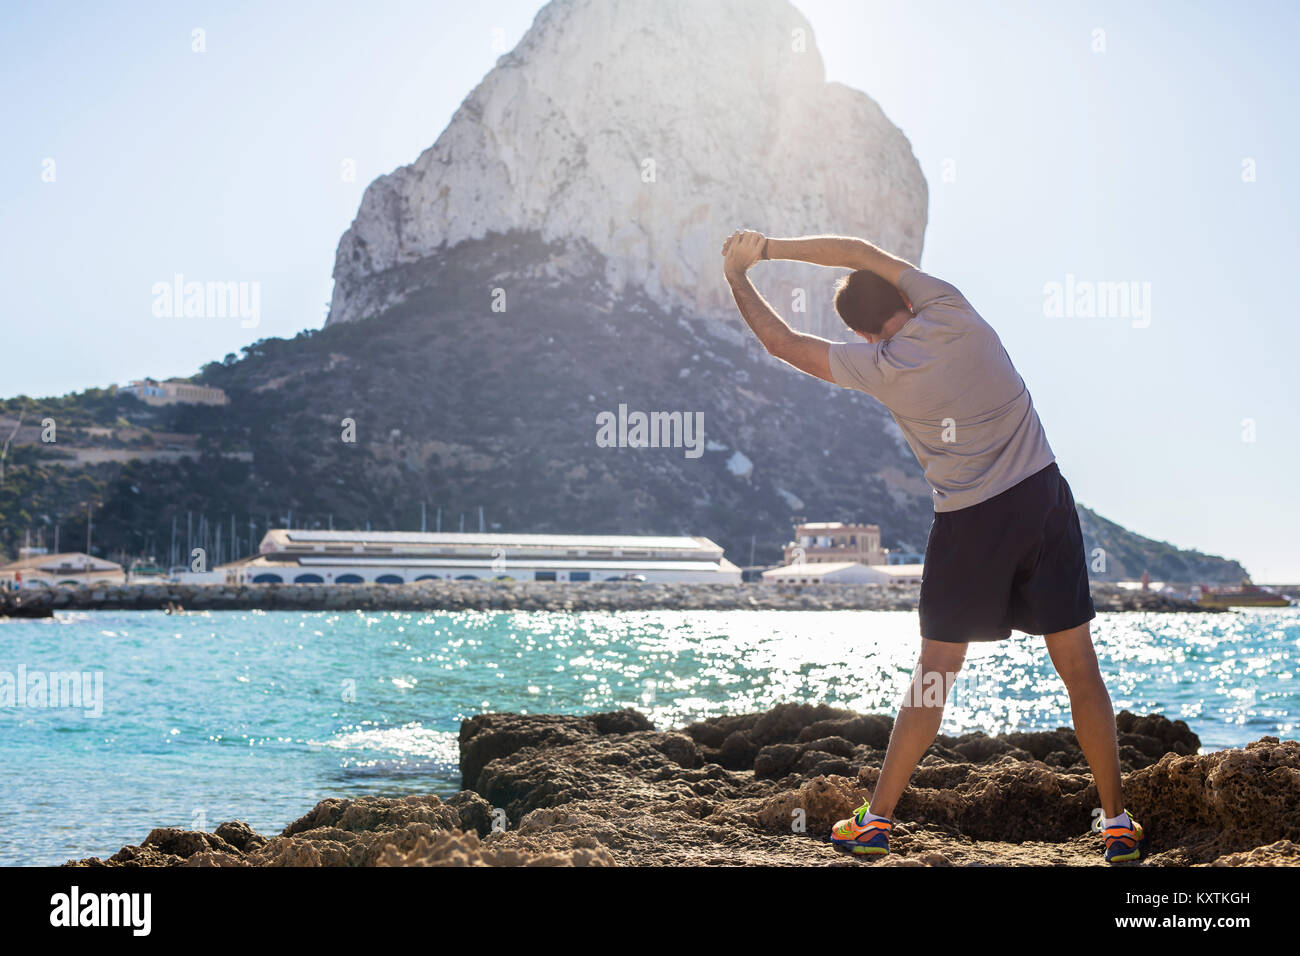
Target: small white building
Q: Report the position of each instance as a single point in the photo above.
(845, 572)
(216, 575)
(826, 572)
(897, 575)
(35, 568)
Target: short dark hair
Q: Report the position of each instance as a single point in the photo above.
(865, 301)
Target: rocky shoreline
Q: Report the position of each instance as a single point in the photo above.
(509, 596)
(764, 789)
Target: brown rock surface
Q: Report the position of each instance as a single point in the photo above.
(606, 789)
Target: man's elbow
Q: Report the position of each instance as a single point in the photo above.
(777, 351)
(859, 255)
(779, 346)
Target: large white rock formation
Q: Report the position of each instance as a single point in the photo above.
(649, 129)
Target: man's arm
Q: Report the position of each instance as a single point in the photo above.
(807, 353)
(841, 252)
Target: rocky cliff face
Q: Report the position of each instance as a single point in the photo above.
(646, 132)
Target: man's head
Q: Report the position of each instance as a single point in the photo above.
(870, 306)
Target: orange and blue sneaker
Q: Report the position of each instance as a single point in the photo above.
(1124, 844)
(857, 834)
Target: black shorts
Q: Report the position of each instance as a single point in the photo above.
(1013, 561)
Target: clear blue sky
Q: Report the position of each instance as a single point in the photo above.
(1124, 165)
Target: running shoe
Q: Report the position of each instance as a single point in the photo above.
(857, 834)
(1124, 844)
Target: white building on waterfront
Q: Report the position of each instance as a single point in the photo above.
(844, 572)
(400, 557)
(35, 568)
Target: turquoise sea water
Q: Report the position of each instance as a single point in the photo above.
(257, 716)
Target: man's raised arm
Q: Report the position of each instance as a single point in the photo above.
(807, 353)
(841, 252)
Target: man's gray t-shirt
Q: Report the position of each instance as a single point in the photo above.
(954, 393)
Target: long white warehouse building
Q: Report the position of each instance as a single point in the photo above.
(399, 557)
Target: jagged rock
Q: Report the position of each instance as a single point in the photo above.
(782, 724)
(737, 751)
(374, 813)
(1225, 802)
(1281, 853)
(488, 736)
(1156, 734)
(336, 832)
(871, 730)
(215, 858)
(453, 848)
(171, 841)
(241, 836)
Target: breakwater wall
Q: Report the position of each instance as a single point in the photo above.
(508, 595)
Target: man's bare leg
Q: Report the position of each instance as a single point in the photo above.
(918, 721)
(1094, 717)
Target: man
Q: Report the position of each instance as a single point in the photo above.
(1005, 548)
